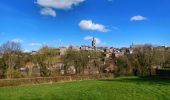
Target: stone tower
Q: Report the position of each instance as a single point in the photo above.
(94, 43)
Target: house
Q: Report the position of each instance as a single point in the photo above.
(62, 50)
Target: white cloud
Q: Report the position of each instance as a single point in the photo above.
(59, 4)
(89, 25)
(26, 51)
(50, 5)
(138, 18)
(48, 12)
(90, 38)
(35, 44)
(17, 40)
(98, 41)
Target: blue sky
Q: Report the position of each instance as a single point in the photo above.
(115, 23)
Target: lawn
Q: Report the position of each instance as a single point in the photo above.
(129, 88)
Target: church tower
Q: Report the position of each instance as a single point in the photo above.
(94, 43)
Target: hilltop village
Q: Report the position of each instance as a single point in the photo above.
(105, 63)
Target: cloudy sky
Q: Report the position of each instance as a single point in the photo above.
(116, 23)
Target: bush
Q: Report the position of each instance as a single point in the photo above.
(29, 81)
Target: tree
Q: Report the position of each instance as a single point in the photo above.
(72, 58)
(83, 59)
(46, 58)
(123, 65)
(11, 53)
(145, 57)
(133, 63)
(79, 59)
(97, 58)
(167, 59)
(159, 56)
(2, 68)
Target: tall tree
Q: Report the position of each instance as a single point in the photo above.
(79, 59)
(145, 58)
(46, 58)
(11, 52)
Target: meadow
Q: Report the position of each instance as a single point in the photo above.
(124, 88)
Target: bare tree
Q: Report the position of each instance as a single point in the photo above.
(81, 59)
(11, 53)
(145, 58)
(46, 58)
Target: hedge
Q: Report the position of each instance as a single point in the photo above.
(38, 80)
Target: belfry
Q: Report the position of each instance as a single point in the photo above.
(94, 43)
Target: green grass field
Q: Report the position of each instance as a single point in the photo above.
(130, 88)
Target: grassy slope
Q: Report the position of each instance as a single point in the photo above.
(118, 89)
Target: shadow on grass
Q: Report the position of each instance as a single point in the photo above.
(140, 80)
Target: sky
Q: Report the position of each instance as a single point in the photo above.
(114, 23)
